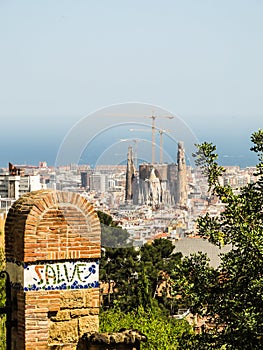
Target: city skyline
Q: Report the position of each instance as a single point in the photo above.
(60, 62)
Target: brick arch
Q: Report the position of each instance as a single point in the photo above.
(52, 225)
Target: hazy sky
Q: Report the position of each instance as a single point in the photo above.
(61, 60)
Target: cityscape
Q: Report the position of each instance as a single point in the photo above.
(146, 227)
(154, 200)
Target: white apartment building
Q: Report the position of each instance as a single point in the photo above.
(98, 182)
(14, 186)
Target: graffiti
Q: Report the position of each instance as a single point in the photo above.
(66, 275)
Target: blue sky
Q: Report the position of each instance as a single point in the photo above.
(61, 60)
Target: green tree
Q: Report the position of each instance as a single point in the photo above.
(157, 263)
(231, 296)
(106, 219)
(118, 267)
(112, 235)
(137, 274)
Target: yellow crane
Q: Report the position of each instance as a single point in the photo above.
(161, 131)
(153, 117)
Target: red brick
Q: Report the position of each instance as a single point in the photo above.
(46, 225)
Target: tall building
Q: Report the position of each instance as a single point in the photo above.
(181, 176)
(84, 179)
(158, 184)
(130, 174)
(98, 182)
(14, 184)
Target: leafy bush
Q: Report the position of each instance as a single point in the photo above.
(163, 333)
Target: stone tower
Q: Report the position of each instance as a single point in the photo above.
(181, 176)
(130, 174)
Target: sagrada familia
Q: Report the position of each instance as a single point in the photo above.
(157, 185)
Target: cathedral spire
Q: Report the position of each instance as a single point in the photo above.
(130, 173)
(181, 176)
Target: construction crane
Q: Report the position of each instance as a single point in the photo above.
(153, 117)
(161, 131)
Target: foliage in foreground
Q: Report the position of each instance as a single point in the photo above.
(137, 275)
(2, 303)
(163, 332)
(231, 297)
(111, 234)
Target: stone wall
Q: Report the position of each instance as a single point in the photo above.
(126, 339)
(52, 251)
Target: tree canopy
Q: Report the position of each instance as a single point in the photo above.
(137, 274)
(231, 296)
(112, 235)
